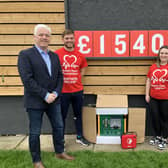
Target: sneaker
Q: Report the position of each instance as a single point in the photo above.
(82, 141)
(166, 140)
(162, 144)
(155, 140)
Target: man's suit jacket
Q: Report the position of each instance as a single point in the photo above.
(36, 79)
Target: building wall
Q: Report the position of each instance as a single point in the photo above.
(18, 18)
(119, 15)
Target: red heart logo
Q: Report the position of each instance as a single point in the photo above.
(159, 75)
(70, 59)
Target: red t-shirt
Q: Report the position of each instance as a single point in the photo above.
(71, 62)
(159, 81)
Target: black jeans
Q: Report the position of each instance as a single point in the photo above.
(76, 99)
(35, 123)
(159, 117)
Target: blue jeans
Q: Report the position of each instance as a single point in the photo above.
(76, 99)
(35, 122)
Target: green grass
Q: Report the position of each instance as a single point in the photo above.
(88, 159)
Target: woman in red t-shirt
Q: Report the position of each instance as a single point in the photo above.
(157, 97)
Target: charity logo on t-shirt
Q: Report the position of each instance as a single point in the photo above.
(159, 81)
(70, 68)
(158, 78)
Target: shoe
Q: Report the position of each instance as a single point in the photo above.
(162, 144)
(82, 141)
(155, 140)
(166, 140)
(38, 165)
(64, 156)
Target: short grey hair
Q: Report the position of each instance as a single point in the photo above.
(41, 26)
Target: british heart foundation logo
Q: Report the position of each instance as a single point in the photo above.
(159, 75)
(69, 61)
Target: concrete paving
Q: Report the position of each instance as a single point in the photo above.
(20, 142)
(47, 145)
(11, 142)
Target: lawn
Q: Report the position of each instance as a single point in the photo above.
(88, 159)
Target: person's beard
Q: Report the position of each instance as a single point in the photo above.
(69, 46)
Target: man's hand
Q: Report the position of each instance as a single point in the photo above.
(51, 97)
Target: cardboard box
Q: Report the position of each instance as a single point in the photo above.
(106, 104)
(112, 101)
(136, 122)
(89, 124)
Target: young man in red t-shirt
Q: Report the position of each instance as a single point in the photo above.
(73, 66)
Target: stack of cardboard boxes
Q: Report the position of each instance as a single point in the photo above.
(105, 123)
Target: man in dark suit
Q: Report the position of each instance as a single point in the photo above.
(42, 78)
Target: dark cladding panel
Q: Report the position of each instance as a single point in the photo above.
(14, 119)
(117, 15)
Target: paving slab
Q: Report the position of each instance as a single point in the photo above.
(146, 146)
(47, 144)
(118, 148)
(71, 145)
(107, 148)
(11, 142)
(45, 140)
(21, 143)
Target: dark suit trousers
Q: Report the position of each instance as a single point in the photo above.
(35, 122)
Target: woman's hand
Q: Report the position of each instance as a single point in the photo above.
(147, 98)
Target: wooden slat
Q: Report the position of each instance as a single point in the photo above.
(8, 71)
(11, 91)
(32, 18)
(11, 50)
(120, 62)
(10, 81)
(5, 60)
(94, 80)
(8, 60)
(32, 7)
(28, 28)
(26, 39)
(14, 50)
(114, 80)
(117, 70)
(126, 90)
